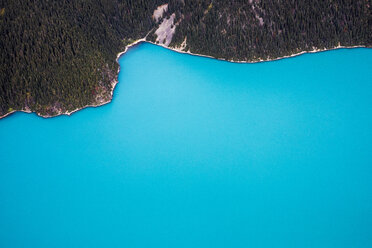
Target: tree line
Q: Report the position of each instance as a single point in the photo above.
(59, 55)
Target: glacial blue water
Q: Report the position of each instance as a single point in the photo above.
(195, 152)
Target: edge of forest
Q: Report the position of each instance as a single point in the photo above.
(175, 49)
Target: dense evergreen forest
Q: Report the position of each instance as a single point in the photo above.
(59, 55)
(249, 30)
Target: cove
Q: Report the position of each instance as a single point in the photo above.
(195, 152)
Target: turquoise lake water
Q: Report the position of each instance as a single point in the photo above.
(195, 152)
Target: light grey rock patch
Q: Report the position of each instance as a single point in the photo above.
(166, 30)
(160, 10)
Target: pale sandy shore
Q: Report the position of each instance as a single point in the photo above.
(258, 60)
(114, 83)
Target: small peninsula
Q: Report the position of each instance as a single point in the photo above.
(61, 56)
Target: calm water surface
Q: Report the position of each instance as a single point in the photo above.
(194, 152)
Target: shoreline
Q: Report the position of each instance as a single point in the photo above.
(259, 60)
(142, 40)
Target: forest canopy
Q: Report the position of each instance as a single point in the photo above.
(60, 55)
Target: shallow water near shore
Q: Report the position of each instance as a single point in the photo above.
(195, 152)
